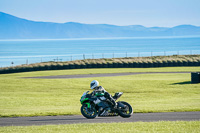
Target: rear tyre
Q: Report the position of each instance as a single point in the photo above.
(89, 113)
(127, 111)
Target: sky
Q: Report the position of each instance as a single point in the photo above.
(149, 13)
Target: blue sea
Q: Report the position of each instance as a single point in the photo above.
(17, 52)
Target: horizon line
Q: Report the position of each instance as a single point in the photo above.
(108, 38)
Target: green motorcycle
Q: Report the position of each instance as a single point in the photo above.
(98, 105)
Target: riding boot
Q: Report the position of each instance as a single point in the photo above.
(101, 109)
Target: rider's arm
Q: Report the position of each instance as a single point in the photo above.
(93, 93)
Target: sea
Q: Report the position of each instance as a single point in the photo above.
(18, 52)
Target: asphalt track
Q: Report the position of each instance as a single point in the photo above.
(99, 75)
(75, 119)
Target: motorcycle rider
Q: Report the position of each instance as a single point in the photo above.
(100, 90)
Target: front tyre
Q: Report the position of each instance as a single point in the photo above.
(89, 113)
(127, 111)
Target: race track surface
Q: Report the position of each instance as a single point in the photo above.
(75, 119)
(99, 75)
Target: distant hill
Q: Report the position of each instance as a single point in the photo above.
(12, 27)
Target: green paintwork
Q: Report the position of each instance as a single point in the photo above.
(82, 101)
(88, 104)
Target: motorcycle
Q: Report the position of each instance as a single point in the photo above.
(98, 105)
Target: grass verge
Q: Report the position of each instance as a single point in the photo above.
(146, 93)
(136, 127)
(100, 70)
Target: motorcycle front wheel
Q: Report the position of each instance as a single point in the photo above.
(89, 113)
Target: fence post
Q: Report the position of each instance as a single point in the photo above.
(12, 63)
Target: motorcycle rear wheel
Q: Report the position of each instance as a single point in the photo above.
(89, 113)
(127, 112)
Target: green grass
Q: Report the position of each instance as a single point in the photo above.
(135, 127)
(146, 93)
(102, 70)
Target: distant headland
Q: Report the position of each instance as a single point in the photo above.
(17, 28)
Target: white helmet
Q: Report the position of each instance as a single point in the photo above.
(94, 84)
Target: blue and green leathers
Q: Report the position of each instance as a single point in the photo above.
(99, 94)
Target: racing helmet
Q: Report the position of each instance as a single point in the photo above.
(94, 84)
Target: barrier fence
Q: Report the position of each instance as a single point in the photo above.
(159, 61)
(61, 58)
